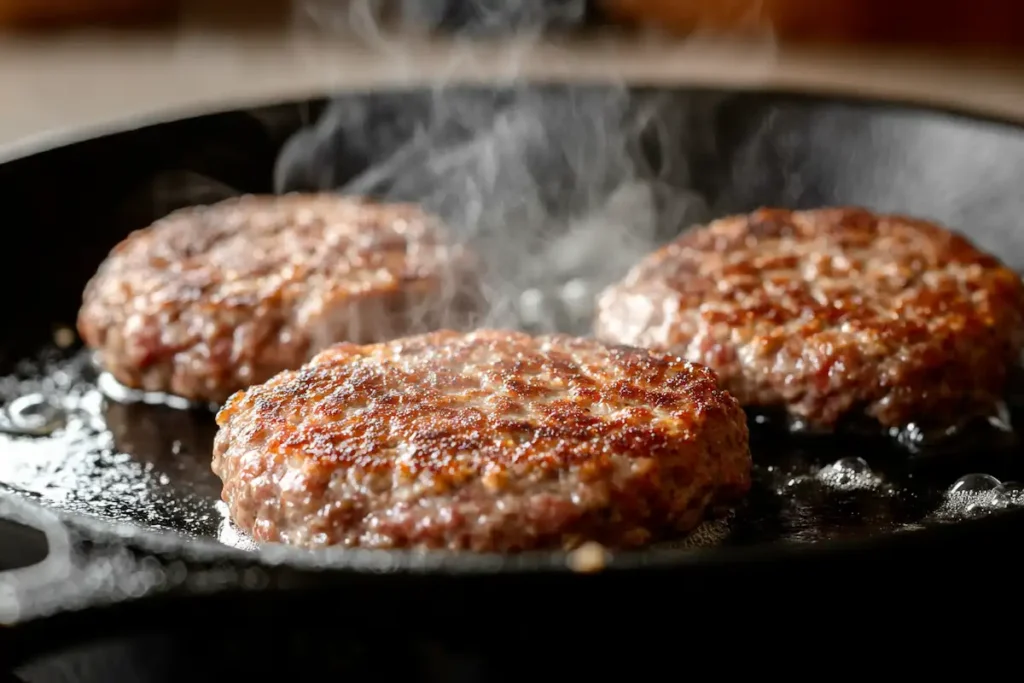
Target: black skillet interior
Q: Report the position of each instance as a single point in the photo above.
(558, 185)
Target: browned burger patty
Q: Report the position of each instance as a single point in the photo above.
(831, 314)
(209, 300)
(488, 441)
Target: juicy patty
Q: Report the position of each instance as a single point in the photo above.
(832, 314)
(487, 441)
(210, 300)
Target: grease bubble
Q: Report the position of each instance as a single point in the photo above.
(854, 465)
(974, 483)
(977, 509)
(849, 473)
(1011, 493)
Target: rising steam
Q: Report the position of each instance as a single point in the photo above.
(561, 189)
(378, 21)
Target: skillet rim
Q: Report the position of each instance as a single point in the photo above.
(160, 541)
(51, 140)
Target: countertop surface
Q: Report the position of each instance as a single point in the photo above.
(76, 83)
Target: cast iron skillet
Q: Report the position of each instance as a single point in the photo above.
(123, 538)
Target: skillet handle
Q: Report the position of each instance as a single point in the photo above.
(60, 586)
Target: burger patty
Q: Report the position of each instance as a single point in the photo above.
(487, 441)
(210, 300)
(834, 314)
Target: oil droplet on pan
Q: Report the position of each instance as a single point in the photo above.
(849, 473)
(33, 415)
(975, 495)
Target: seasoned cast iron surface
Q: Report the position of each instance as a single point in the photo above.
(564, 189)
(147, 463)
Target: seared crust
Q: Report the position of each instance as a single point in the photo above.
(489, 441)
(832, 314)
(212, 299)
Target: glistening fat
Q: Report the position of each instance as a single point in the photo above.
(487, 441)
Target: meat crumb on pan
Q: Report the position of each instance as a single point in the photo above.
(589, 558)
(212, 299)
(487, 441)
(831, 315)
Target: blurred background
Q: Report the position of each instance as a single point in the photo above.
(938, 22)
(85, 63)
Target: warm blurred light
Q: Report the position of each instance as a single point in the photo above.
(931, 21)
(49, 13)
